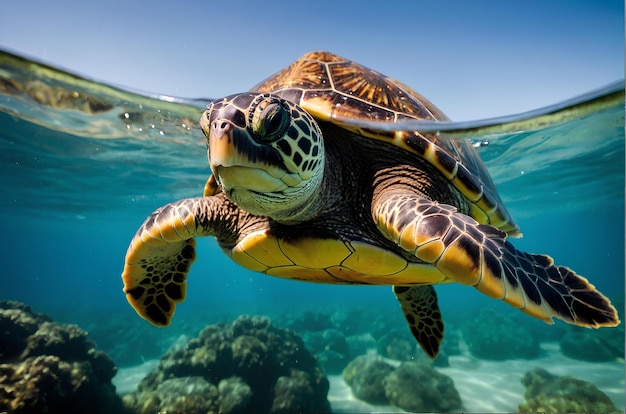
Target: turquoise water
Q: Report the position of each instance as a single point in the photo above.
(82, 164)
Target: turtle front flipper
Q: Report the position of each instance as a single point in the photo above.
(211, 187)
(421, 310)
(479, 255)
(163, 249)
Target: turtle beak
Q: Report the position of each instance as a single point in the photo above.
(220, 150)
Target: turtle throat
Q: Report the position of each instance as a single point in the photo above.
(257, 191)
(296, 204)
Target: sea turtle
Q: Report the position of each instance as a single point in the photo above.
(297, 192)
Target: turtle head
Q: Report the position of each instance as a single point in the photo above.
(266, 153)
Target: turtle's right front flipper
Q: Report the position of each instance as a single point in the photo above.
(479, 255)
(163, 249)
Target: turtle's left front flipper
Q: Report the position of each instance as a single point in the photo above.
(479, 255)
(163, 249)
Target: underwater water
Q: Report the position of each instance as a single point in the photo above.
(82, 164)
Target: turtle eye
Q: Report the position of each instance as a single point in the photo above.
(270, 120)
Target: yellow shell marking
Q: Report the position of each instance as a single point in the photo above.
(330, 261)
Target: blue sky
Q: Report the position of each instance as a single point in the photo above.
(473, 59)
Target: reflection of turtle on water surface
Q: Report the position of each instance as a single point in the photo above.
(298, 193)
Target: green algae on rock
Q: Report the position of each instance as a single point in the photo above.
(491, 335)
(413, 386)
(247, 366)
(418, 387)
(365, 375)
(548, 393)
(50, 367)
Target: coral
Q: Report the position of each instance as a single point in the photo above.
(413, 386)
(593, 345)
(308, 321)
(417, 387)
(65, 341)
(249, 365)
(365, 375)
(549, 393)
(338, 336)
(491, 335)
(235, 395)
(293, 393)
(17, 322)
(400, 345)
(360, 344)
(330, 349)
(49, 367)
(189, 394)
(249, 356)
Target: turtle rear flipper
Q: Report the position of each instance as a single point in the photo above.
(479, 255)
(421, 310)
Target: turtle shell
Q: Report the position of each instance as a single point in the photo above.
(335, 89)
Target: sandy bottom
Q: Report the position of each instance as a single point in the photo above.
(484, 386)
(126, 379)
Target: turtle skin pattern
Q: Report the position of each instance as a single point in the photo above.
(479, 255)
